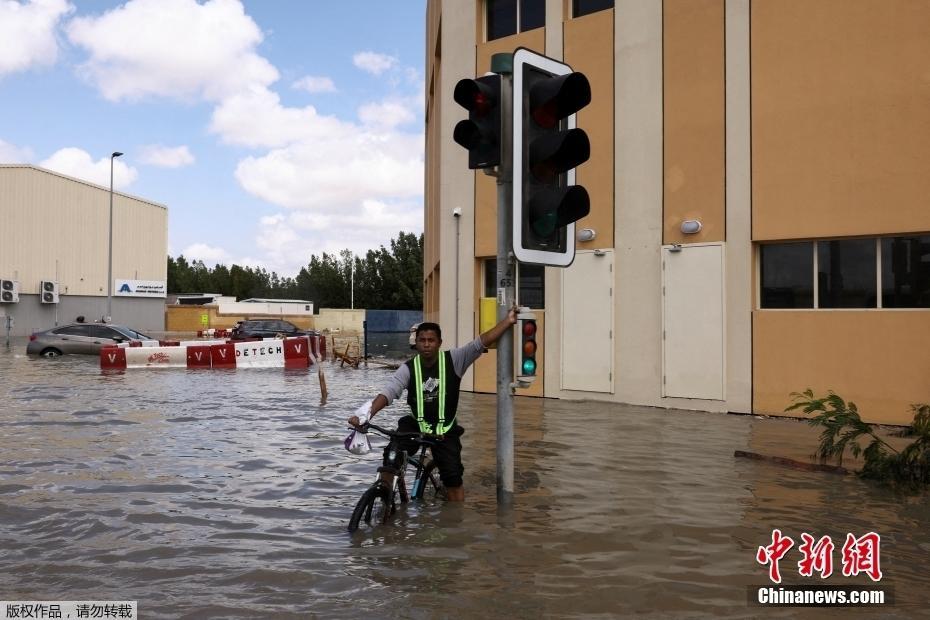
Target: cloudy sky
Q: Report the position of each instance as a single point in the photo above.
(271, 129)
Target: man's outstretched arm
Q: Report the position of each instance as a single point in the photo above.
(493, 335)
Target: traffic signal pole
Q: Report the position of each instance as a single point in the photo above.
(506, 278)
(521, 129)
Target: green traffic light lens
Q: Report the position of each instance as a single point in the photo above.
(529, 367)
(543, 224)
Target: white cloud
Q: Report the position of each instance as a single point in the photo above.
(166, 156)
(288, 240)
(27, 33)
(210, 255)
(349, 184)
(373, 63)
(256, 118)
(12, 154)
(314, 84)
(386, 114)
(172, 48)
(336, 174)
(77, 163)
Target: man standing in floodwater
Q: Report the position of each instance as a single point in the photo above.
(432, 379)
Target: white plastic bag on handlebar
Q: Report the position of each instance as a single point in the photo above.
(356, 442)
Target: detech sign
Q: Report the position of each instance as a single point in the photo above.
(258, 351)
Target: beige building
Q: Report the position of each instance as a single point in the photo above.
(795, 132)
(54, 233)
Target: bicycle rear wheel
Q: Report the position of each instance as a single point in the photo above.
(430, 486)
(374, 508)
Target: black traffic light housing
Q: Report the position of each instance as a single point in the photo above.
(481, 133)
(547, 147)
(529, 347)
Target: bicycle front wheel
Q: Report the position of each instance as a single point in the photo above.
(374, 508)
(429, 486)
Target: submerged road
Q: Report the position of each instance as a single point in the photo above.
(206, 494)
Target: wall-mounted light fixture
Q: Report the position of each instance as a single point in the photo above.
(586, 234)
(689, 227)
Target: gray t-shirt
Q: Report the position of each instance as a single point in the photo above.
(462, 358)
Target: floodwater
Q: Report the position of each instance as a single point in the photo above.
(225, 494)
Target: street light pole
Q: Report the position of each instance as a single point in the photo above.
(109, 315)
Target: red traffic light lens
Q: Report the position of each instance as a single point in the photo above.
(481, 103)
(474, 96)
(529, 328)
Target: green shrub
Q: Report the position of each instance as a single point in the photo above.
(842, 429)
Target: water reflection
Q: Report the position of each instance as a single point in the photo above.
(226, 494)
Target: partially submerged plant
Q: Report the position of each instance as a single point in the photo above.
(843, 427)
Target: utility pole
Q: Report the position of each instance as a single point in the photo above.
(506, 291)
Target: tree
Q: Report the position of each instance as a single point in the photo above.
(383, 279)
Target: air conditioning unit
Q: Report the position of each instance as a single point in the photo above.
(49, 292)
(9, 291)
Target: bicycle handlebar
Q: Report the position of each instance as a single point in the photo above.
(424, 437)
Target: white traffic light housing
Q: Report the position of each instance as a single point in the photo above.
(546, 149)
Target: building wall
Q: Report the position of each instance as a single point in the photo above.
(874, 358)
(30, 315)
(767, 120)
(190, 318)
(57, 228)
(694, 150)
(840, 117)
(839, 148)
(638, 228)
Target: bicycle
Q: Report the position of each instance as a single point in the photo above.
(379, 501)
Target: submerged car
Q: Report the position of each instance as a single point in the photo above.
(82, 338)
(268, 328)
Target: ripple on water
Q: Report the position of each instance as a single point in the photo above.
(227, 495)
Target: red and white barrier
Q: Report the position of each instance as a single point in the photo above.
(271, 353)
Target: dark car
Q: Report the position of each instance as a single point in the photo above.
(86, 338)
(268, 328)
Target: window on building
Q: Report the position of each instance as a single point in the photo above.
(846, 274)
(503, 16)
(531, 285)
(906, 272)
(584, 7)
(787, 275)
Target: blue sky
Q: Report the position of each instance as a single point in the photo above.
(271, 129)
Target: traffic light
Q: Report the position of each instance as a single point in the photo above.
(546, 149)
(526, 322)
(481, 133)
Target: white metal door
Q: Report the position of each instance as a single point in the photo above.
(693, 347)
(587, 322)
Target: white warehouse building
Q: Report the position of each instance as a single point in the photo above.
(54, 253)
